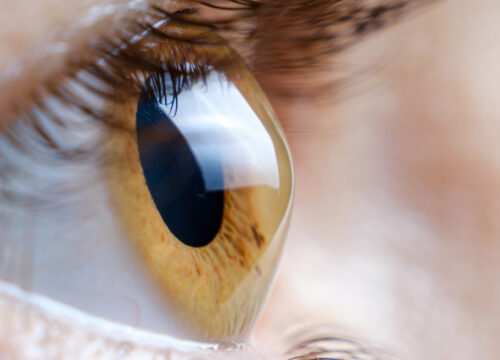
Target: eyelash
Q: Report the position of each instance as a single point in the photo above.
(122, 65)
(157, 57)
(340, 25)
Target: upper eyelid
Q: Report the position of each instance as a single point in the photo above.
(111, 71)
(28, 74)
(14, 88)
(109, 52)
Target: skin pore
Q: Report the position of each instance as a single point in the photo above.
(394, 237)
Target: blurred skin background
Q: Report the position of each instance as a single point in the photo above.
(394, 236)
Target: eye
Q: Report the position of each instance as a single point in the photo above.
(204, 191)
(200, 182)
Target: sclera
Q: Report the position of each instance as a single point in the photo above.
(215, 291)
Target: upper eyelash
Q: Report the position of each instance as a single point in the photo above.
(113, 58)
(111, 71)
(118, 67)
(343, 22)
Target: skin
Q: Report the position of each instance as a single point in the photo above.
(394, 237)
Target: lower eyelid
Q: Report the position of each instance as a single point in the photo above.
(37, 327)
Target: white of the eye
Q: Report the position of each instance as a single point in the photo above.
(71, 248)
(221, 127)
(76, 253)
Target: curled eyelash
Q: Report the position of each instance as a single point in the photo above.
(296, 36)
(279, 37)
(158, 57)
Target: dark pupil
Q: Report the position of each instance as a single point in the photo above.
(174, 177)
